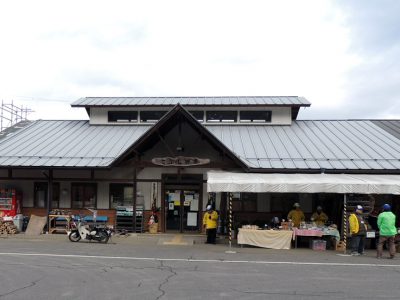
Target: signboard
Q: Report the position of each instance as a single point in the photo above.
(179, 161)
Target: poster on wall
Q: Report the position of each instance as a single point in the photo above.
(192, 219)
(171, 206)
(194, 205)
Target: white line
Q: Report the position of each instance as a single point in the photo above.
(199, 260)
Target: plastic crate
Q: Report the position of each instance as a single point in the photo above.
(318, 245)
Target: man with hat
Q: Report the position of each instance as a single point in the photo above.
(387, 231)
(319, 217)
(358, 231)
(296, 215)
(210, 220)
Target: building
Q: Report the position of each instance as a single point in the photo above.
(138, 154)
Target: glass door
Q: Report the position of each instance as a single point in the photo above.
(182, 210)
(173, 209)
(190, 210)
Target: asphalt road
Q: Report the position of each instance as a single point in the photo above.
(138, 268)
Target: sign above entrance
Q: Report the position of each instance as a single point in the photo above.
(179, 161)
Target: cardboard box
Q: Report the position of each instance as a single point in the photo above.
(339, 246)
(318, 245)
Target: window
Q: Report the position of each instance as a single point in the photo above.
(40, 195)
(121, 195)
(83, 195)
(198, 114)
(221, 116)
(151, 116)
(122, 116)
(255, 116)
(245, 202)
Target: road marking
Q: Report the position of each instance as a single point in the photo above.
(261, 262)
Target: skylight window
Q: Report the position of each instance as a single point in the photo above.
(221, 116)
(249, 116)
(123, 116)
(198, 114)
(151, 116)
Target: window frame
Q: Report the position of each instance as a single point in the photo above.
(120, 185)
(148, 120)
(193, 112)
(84, 184)
(56, 187)
(210, 119)
(128, 119)
(267, 119)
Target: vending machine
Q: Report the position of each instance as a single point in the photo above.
(10, 202)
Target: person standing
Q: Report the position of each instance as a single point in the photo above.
(319, 217)
(387, 231)
(358, 231)
(210, 220)
(296, 215)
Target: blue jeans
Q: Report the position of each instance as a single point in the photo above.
(357, 243)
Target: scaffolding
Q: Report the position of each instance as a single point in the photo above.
(11, 114)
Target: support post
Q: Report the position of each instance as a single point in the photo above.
(49, 197)
(230, 221)
(345, 222)
(134, 200)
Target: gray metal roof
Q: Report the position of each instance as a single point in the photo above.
(340, 145)
(312, 145)
(191, 101)
(67, 144)
(391, 126)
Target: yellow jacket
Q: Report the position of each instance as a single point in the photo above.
(353, 224)
(210, 223)
(319, 219)
(296, 216)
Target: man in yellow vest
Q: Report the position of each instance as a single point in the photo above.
(210, 220)
(358, 231)
(296, 215)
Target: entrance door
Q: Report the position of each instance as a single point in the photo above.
(182, 209)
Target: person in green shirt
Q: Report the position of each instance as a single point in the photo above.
(387, 231)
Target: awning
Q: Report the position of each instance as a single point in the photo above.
(302, 183)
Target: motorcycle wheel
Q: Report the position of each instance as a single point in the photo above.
(103, 237)
(74, 236)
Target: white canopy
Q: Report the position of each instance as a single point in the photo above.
(302, 183)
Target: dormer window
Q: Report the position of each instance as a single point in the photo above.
(198, 115)
(251, 116)
(151, 116)
(221, 116)
(122, 116)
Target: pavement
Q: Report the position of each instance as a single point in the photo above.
(142, 267)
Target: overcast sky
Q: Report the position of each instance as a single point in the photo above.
(343, 56)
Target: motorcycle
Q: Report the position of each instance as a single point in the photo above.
(80, 230)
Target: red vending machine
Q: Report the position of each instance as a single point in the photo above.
(10, 201)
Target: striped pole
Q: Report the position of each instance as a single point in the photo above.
(230, 220)
(345, 222)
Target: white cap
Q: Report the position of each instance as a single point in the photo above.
(296, 205)
(359, 207)
(209, 207)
